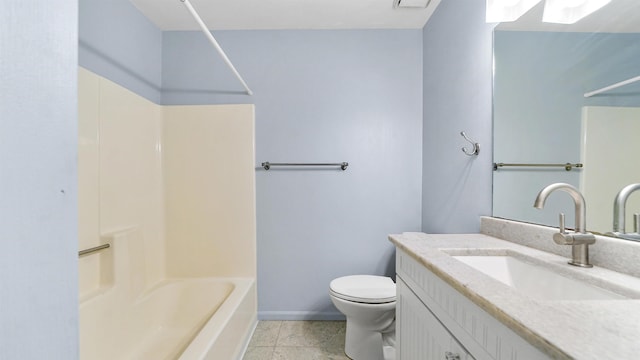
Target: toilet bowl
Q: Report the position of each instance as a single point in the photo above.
(369, 303)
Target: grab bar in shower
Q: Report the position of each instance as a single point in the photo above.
(93, 249)
(566, 166)
(267, 165)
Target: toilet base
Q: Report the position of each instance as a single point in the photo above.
(364, 344)
(389, 352)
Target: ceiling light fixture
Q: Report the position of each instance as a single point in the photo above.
(570, 11)
(508, 10)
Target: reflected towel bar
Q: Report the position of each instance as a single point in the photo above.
(93, 249)
(267, 165)
(567, 166)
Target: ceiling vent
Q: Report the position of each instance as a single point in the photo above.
(413, 4)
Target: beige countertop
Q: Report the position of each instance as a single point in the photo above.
(593, 329)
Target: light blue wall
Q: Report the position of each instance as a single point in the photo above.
(194, 73)
(321, 96)
(119, 43)
(38, 189)
(535, 125)
(353, 96)
(456, 189)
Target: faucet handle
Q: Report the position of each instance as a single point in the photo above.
(571, 238)
(562, 227)
(636, 223)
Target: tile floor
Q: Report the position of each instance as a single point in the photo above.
(297, 340)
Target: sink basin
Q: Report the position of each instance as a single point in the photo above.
(535, 281)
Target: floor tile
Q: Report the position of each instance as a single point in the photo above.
(297, 340)
(336, 353)
(259, 353)
(312, 333)
(306, 353)
(266, 333)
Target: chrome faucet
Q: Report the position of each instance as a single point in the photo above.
(580, 239)
(619, 205)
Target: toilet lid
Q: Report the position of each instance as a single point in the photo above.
(369, 289)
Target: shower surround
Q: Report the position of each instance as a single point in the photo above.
(171, 189)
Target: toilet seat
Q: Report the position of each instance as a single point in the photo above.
(368, 289)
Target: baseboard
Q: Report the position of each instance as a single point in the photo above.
(299, 315)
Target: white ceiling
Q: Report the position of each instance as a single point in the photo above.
(619, 16)
(286, 14)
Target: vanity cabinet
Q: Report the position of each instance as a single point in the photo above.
(421, 335)
(434, 322)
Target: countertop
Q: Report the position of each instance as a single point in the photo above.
(593, 329)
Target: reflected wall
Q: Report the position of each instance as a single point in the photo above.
(540, 81)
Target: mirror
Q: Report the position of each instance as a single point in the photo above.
(542, 115)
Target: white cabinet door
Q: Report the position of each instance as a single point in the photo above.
(420, 335)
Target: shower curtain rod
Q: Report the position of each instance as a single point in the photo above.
(215, 44)
(611, 87)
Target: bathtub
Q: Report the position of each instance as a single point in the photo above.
(186, 319)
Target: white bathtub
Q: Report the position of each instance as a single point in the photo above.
(184, 319)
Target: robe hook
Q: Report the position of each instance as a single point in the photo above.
(476, 147)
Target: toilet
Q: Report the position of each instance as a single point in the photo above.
(369, 303)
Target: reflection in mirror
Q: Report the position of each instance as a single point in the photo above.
(542, 116)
